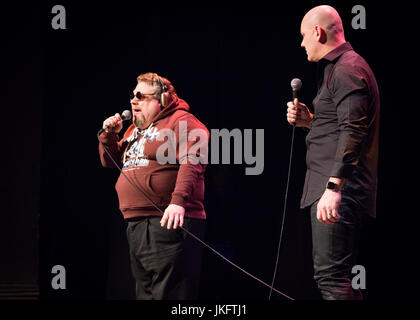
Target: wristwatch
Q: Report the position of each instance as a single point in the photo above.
(333, 186)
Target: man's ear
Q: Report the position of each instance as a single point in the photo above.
(321, 35)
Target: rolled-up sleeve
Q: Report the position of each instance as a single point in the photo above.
(350, 95)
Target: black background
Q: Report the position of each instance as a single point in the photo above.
(233, 65)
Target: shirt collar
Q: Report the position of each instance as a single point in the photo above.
(338, 51)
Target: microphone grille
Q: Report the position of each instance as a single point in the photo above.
(296, 84)
(126, 115)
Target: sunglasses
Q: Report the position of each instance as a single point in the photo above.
(140, 96)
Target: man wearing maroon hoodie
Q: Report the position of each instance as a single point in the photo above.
(165, 261)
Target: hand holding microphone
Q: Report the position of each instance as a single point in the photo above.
(298, 113)
(115, 123)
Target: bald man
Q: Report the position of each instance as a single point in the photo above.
(342, 150)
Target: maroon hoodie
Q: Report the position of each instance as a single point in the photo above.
(180, 182)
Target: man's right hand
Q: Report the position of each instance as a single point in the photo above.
(113, 124)
(298, 114)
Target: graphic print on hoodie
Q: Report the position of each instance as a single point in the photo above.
(134, 156)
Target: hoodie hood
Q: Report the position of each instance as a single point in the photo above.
(175, 105)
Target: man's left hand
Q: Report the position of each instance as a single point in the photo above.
(327, 208)
(173, 214)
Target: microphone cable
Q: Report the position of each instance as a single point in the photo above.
(185, 230)
(284, 213)
(296, 85)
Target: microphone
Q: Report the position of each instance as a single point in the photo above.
(125, 115)
(296, 84)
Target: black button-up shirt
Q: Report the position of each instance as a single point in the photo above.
(344, 134)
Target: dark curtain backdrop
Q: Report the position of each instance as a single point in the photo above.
(233, 65)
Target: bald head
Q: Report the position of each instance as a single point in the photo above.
(323, 29)
(328, 19)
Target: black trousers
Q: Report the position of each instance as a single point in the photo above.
(334, 251)
(165, 263)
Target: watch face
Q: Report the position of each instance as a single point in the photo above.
(331, 185)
